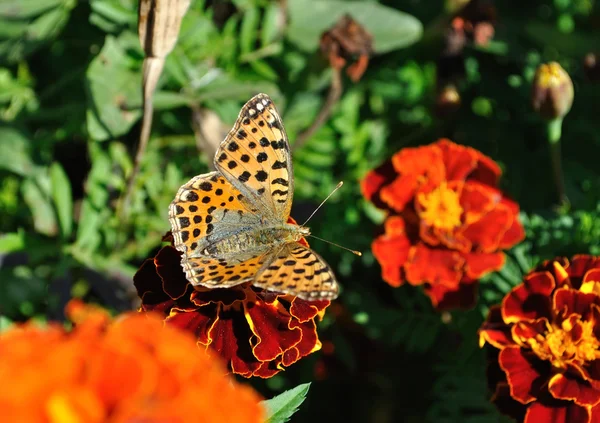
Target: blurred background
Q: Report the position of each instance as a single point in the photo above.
(355, 82)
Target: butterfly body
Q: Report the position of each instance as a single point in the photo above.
(231, 225)
(254, 238)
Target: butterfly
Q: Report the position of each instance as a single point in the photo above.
(231, 225)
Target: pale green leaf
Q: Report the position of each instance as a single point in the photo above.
(280, 409)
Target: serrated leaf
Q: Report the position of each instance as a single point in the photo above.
(280, 408)
(63, 198)
(391, 29)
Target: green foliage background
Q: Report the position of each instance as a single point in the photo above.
(70, 74)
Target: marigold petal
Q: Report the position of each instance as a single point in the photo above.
(149, 288)
(272, 330)
(563, 412)
(569, 301)
(230, 337)
(202, 296)
(595, 414)
(200, 322)
(463, 296)
(168, 267)
(592, 275)
(391, 251)
(494, 330)
(400, 192)
(310, 341)
(514, 234)
(307, 310)
(580, 264)
(565, 388)
(479, 264)
(425, 163)
(530, 300)
(506, 404)
(486, 233)
(524, 379)
(74, 406)
(487, 171)
(459, 161)
(375, 180)
(523, 331)
(434, 266)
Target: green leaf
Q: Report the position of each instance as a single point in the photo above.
(23, 9)
(63, 199)
(35, 192)
(16, 150)
(114, 89)
(249, 30)
(88, 230)
(280, 409)
(29, 24)
(10, 242)
(5, 323)
(390, 28)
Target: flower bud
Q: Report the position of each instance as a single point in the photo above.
(552, 92)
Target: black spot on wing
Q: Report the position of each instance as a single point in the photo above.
(261, 157)
(244, 176)
(280, 181)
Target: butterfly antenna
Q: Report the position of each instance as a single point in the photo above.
(338, 186)
(358, 253)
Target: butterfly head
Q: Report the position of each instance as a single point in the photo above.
(298, 232)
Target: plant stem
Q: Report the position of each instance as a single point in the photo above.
(554, 135)
(152, 69)
(335, 91)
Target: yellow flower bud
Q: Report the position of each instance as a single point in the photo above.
(552, 93)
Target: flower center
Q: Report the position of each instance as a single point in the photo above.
(561, 345)
(440, 208)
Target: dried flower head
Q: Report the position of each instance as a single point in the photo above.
(346, 41)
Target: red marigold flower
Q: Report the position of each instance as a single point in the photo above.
(130, 369)
(257, 332)
(546, 334)
(447, 221)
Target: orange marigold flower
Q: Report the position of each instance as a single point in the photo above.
(546, 340)
(130, 369)
(257, 332)
(447, 221)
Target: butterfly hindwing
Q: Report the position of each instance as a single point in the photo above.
(221, 272)
(255, 158)
(298, 270)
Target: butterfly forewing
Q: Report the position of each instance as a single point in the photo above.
(255, 158)
(298, 270)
